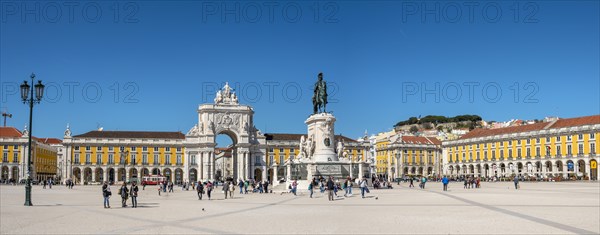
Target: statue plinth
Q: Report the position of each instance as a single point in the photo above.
(321, 133)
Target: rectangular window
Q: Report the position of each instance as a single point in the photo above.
(5, 146)
(111, 148)
(580, 149)
(111, 159)
(88, 158)
(98, 158)
(592, 136)
(281, 159)
(257, 160)
(558, 151)
(76, 158)
(145, 149)
(178, 159)
(16, 147)
(133, 149)
(501, 153)
(271, 150)
(547, 150)
(156, 162)
(156, 150)
(99, 148)
(478, 156)
(5, 155)
(528, 141)
(271, 159)
(569, 137)
(537, 151)
(501, 143)
(15, 157)
(133, 159)
(167, 149)
(179, 149)
(509, 154)
(510, 143)
(494, 155)
(580, 137)
(281, 150)
(547, 139)
(528, 152)
(193, 159)
(76, 148)
(144, 159)
(592, 147)
(519, 152)
(122, 149)
(569, 150)
(538, 140)
(558, 139)
(88, 148)
(167, 159)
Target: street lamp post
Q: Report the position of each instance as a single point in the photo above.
(39, 92)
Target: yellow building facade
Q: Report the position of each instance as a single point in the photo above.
(564, 148)
(14, 144)
(404, 155)
(116, 156)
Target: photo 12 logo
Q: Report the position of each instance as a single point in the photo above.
(91, 92)
(454, 92)
(269, 12)
(68, 11)
(469, 11)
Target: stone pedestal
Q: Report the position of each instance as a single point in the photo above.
(321, 136)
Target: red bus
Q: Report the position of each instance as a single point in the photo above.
(153, 179)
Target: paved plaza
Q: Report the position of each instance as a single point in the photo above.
(496, 208)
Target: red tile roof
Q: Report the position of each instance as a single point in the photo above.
(10, 132)
(567, 122)
(50, 140)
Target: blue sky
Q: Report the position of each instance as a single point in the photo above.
(154, 62)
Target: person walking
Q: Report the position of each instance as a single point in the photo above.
(310, 189)
(134, 194)
(106, 194)
(363, 187)
(246, 183)
(209, 188)
(143, 185)
(231, 189)
(241, 185)
(516, 180)
(423, 181)
(330, 188)
(170, 187)
(160, 188)
(200, 190)
(124, 192)
(44, 183)
(294, 187)
(445, 183)
(411, 185)
(226, 188)
(266, 186)
(50, 183)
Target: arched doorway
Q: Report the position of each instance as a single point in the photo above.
(145, 172)
(168, 174)
(155, 171)
(5, 173)
(559, 168)
(87, 175)
(99, 174)
(178, 176)
(520, 168)
(121, 174)
(111, 175)
(77, 175)
(502, 169)
(581, 169)
(133, 175)
(593, 169)
(258, 174)
(193, 175)
(15, 174)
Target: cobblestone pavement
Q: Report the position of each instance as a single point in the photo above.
(496, 208)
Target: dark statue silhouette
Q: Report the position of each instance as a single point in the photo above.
(320, 96)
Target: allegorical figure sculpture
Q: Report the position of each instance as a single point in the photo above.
(320, 95)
